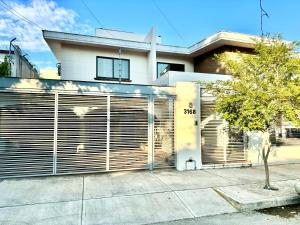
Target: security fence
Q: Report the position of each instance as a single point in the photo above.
(62, 133)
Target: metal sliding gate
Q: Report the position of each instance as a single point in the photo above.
(62, 133)
(26, 134)
(220, 144)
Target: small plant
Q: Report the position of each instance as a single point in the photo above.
(4, 68)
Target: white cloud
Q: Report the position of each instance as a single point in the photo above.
(47, 14)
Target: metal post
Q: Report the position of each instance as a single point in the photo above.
(245, 140)
(55, 132)
(9, 55)
(225, 139)
(120, 66)
(171, 125)
(199, 141)
(151, 132)
(108, 133)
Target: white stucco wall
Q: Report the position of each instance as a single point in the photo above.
(79, 63)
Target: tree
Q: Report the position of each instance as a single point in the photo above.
(263, 91)
(4, 68)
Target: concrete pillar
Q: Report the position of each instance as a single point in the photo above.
(152, 39)
(187, 126)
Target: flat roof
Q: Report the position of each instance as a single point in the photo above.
(212, 42)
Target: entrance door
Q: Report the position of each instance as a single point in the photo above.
(219, 144)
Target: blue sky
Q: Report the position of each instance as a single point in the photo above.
(193, 19)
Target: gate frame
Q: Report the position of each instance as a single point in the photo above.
(56, 92)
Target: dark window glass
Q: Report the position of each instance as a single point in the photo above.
(162, 68)
(112, 68)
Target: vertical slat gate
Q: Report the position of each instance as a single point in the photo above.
(63, 133)
(164, 154)
(235, 151)
(219, 144)
(81, 135)
(128, 133)
(26, 134)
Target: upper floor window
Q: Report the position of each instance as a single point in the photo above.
(112, 68)
(162, 68)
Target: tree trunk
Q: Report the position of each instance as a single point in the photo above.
(265, 155)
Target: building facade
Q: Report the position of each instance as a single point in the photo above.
(126, 101)
(116, 56)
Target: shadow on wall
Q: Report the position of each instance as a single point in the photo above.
(80, 87)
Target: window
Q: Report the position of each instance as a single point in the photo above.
(112, 68)
(162, 68)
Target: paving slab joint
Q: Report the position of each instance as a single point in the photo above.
(161, 181)
(182, 202)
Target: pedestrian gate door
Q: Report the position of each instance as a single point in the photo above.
(220, 144)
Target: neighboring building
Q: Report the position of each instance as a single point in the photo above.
(19, 64)
(49, 73)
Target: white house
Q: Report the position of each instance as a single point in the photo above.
(118, 56)
(125, 101)
(123, 57)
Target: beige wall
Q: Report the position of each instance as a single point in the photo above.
(207, 63)
(187, 133)
(282, 154)
(79, 63)
(278, 154)
(49, 73)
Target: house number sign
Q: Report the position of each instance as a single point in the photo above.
(190, 110)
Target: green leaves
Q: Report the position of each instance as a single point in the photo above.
(4, 68)
(265, 86)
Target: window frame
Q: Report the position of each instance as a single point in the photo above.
(157, 75)
(113, 78)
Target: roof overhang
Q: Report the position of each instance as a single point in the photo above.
(53, 38)
(220, 39)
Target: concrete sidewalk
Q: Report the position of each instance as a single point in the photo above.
(141, 197)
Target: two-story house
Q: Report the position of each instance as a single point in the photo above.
(125, 101)
(118, 56)
(122, 57)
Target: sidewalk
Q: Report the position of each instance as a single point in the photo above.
(142, 197)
